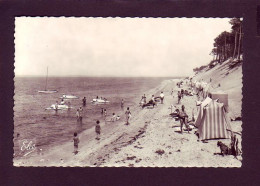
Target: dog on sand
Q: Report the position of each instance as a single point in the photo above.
(224, 150)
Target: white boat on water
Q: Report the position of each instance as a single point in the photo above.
(45, 91)
(58, 107)
(99, 101)
(64, 96)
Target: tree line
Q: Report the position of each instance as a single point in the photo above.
(227, 44)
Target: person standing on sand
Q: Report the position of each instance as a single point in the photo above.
(76, 143)
(98, 130)
(182, 93)
(162, 97)
(179, 97)
(183, 118)
(128, 115)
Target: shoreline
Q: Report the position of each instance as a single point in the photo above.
(151, 140)
(88, 135)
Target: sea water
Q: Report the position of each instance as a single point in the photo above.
(48, 127)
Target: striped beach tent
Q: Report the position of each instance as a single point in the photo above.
(212, 121)
(201, 110)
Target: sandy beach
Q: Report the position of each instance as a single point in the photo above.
(152, 139)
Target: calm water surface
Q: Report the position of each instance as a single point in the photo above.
(49, 128)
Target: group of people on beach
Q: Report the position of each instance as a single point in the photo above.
(152, 101)
(114, 117)
(181, 115)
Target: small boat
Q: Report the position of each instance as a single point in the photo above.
(99, 101)
(64, 96)
(59, 107)
(45, 91)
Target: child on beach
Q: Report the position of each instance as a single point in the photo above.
(76, 143)
(128, 115)
(98, 130)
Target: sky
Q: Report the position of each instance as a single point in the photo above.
(120, 47)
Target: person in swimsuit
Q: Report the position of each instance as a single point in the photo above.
(183, 118)
(128, 115)
(80, 114)
(179, 97)
(162, 97)
(84, 101)
(98, 129)
(113, 118)
(76, 143)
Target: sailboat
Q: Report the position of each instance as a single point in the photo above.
(45, 90)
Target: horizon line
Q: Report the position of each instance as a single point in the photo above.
(104, 76)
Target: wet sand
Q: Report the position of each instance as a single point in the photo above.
(152, 139)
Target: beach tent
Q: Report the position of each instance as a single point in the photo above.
(212, 121)
(221, 96)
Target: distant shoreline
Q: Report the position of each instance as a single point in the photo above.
(42, 76)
